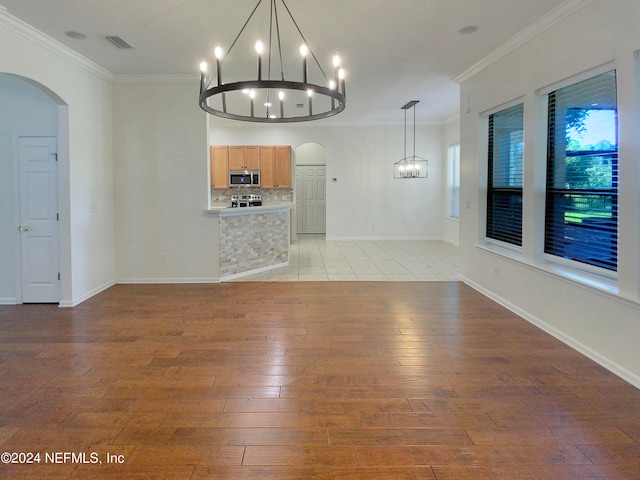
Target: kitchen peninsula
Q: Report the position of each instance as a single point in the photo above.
(251, 238)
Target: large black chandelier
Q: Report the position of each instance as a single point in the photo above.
(264, 98)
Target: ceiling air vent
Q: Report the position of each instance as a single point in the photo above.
(118, 42)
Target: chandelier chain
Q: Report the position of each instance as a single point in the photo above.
(243, 27)
(305, 40)
(271, 12)
(275, 9)
(270, 39)
(237, 37)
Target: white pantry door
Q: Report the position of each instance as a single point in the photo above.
(39, 219)
(311, 201)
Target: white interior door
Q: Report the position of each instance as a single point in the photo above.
(311, 207)
(39, 220)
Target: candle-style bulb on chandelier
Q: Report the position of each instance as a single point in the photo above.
(413, 166)
(266, 95)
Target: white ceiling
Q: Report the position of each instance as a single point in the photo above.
(393, 50)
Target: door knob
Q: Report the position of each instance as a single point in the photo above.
(23, 228)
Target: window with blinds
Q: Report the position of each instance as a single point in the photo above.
(581, 221)
(504, 186)
(453, 181)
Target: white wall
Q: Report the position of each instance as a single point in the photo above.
(85, 153)
(161, 184)
(311, 154)
(601, 320)
(365, 202)
(161, 180)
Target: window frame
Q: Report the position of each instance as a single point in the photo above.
(453, 181)
(576, 237)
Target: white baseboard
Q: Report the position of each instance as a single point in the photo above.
(253, 272)
(86, 296)
(379, 239)
(601, 360)
(8, 301)
(153, 280)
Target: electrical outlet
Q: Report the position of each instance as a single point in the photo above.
(163, 257)
(496, 270)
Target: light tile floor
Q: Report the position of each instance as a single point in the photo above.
(314, 258)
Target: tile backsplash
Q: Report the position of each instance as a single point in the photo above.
(269, 195)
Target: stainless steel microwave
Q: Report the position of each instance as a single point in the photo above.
(244, 177)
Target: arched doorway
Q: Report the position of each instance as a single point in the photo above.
(33, 149)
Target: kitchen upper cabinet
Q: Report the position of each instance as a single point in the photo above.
(244, 158)
(283, 167)
(219, 167)
(236, 158)
(252, 158)
(267, 167)
(275, 167)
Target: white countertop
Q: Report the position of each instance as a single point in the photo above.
(227, 211)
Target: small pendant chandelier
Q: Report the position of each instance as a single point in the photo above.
(273, 100)
(410, 167)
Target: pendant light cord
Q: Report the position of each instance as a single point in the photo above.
(414, 133)
(405, 134)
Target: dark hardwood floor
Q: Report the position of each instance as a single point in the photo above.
(315, 380)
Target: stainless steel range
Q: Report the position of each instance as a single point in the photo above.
(246, 200)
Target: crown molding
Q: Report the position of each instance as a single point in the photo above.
(547, 21)
(157, 78)
(36, 36)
